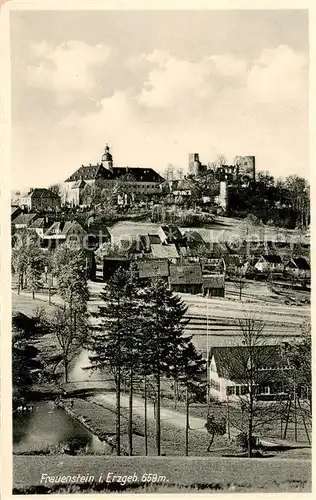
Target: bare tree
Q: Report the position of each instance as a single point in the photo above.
(221, 159)
(239, 279)
(254, 367)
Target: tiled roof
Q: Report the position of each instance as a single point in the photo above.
(153, 268)
(25, 219)
(214, 281)
(139, 174)
(164, 251)
(189, 274)
(91, 172)
(42, 193)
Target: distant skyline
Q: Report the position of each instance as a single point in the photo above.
(157, 85)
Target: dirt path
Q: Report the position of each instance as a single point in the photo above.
(173, 417)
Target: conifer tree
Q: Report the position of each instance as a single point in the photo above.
(110, 342)
(163, 337)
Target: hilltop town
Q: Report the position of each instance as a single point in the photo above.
(220, 257)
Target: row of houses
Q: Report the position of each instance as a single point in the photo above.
(195, 278)
(184, 249)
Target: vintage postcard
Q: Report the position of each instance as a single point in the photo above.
(156, 267)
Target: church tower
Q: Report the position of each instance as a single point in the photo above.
(107, 159)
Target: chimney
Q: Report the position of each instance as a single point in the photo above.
(31, 190)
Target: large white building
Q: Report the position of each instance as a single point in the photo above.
(144, 181)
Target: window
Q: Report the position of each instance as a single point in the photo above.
(230, 390)
(244, 390)
(215, 385)
(237, 390)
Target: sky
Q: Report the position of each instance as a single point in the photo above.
(155, 86)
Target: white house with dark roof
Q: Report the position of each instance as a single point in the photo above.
(229, 371)
(268, 263)
(62, 232)
(105, 174)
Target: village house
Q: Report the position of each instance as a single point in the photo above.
(169, 252)
(70, 231)
(40, 226)
(213, 266)
(186, 278)
(298, 267)
(213, 285)
(170, 234)
(228, 379)
(194, 242)
(40, 199)
(23, 221)
(269, 263)
(153, 268)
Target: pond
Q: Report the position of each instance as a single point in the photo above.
(48, 426)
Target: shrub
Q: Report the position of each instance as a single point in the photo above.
(242, 441)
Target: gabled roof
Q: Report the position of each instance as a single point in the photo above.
(299, 263)
(153, 268)
(171, 232)
(42, 193)
(233, 260)
(164, 251)
(65, 228)
(193, 238)
(232, 362)
(214, 281)
(38, 223)
(272, 259)
(189, 274)
(24, 219)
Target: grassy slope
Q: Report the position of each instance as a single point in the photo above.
(216, 473)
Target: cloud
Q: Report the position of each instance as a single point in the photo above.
(210, 106)
(279, 75)
(67, 69)
(177, 82)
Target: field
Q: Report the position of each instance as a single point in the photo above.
(223, 229)
(197, 474)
